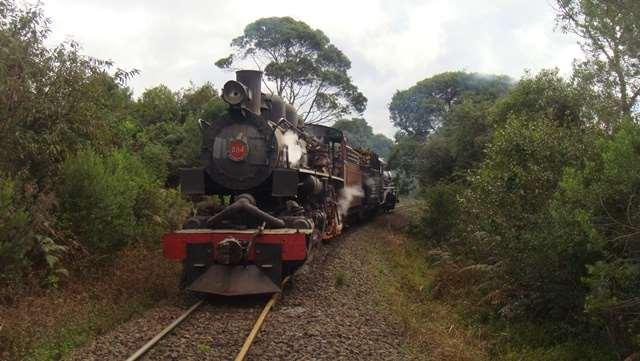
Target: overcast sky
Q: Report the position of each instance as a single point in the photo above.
(392, 44)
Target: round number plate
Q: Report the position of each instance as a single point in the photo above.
(238, 150)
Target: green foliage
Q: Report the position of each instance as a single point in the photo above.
(23, 240)
(440, 214)
(545, 94)
(52, 254)
(197, 100)
(110, 201)
(176, 141)
(341, 279)
(403, 161)
(156, 157)
(507, 219)
(158, 105)
(434, 160)
(445, 124)
(598, 203)
(360, 134)
(548, 341)
(15, 235)
(302, 66)
(550, 216)
(610, 34)
(381, 144)
(421, 109)
(55, 100)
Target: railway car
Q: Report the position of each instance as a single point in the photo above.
(283, 187)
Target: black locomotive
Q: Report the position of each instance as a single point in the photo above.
(287, 186)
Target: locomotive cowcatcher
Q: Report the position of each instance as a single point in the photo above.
(283, 187)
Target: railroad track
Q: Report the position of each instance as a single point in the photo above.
(245, 347)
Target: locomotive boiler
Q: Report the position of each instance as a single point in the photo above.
(283, 187)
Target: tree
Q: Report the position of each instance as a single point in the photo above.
(53, 101)
(357, 130)
(421, 109)
(381, 144)
(402, 159)
(158, 105)
(195, 100)
(301, 65)
(610, 33)
(444, 122)
(360, 134)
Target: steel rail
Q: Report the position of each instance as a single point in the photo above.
(256, 327)
(247, 343)
(162, 333)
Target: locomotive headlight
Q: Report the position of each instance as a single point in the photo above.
(235, 92)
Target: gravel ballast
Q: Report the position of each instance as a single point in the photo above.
(331, 310)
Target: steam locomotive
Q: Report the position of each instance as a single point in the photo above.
(283, 187)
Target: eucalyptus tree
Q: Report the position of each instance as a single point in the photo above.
(301, 65)
(610, 38)
(422, 108)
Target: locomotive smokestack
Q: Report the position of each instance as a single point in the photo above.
(252, 79)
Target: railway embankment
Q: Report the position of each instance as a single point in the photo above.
(363, 295)
(49, 324)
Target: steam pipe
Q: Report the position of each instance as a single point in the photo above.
(245, 204)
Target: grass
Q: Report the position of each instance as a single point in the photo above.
(432, 329)
(446, 325)
(204, 348)
(52, 324)
(341, 279)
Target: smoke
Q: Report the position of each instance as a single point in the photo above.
(346, 197)
(294, 150)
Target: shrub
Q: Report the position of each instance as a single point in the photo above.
(26, 242)
(111, 200)
(598, 204)
(507, 221)
(440, 213)
(15, 235)
(156, 157)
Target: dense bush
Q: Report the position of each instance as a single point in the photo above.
(56, 197)
(108, 201)
(548, 221)
(26, 237)
(598, 205)
(15, 236)
(440, 213)
(507, 219)
(54, 101)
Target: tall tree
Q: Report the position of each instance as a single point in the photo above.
(158, 105)
(301, 65)
(360, 134)
(53, 101)
(421, 109)
(444, 125)
(610, 33)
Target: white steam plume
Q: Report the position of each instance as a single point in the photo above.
(346, 197)
(294, 150)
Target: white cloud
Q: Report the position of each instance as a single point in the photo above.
(391, 44)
